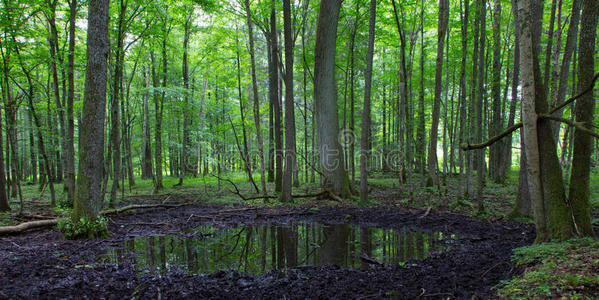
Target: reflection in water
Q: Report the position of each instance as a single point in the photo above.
(256, 249)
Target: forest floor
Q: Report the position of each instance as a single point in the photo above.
(42, 264)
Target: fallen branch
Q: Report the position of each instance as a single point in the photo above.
(369, 260)
(428, 211)
(27, 225)
(140, 206)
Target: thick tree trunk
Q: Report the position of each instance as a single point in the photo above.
(325, 98)
(365, 139)
(88, 191)
(579, 193)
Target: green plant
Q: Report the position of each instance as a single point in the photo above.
(83, 228)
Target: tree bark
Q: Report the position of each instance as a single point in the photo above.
(256, 98)
(70, 138)
(325, 100)
(365, 139)
(584, 108)
(290, 150)
(88, 191)
(432, 152)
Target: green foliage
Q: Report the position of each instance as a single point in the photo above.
(84, 228)
(565, 270)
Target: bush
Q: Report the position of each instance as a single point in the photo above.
(84, 228)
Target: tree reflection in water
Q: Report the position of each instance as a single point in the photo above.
(260, 248)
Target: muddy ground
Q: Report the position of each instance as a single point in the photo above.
(41, 264)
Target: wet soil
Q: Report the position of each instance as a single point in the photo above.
(41, 264)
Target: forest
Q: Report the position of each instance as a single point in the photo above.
(263, 149)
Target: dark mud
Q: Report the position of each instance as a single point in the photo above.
(41, 264)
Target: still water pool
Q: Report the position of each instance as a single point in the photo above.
(259, 248)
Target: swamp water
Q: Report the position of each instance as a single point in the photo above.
(259, 248)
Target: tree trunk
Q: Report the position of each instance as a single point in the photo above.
(257, 118)
(273, 95)
(70, 138)
(432, 152)
(146, 164)
(495, 151)
(480, 154)
(365, 139)
(325, 98)
(579, 193)
(88, 191)
(463, 134)
(115, 102)
(290, 151)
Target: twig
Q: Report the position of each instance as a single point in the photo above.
(428, 211)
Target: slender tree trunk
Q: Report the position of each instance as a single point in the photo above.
(256, 98)
(115, 102)
(246, 153)
(146, 164)
(187, 167)
(432, 152)
(569, 50)
(480, 154)
(290, 151)
(365, 139)
(273, 95)
(463, 134)
(420, 135)
(4, 206)
(495, 151)
(53, 46)
(70, 138)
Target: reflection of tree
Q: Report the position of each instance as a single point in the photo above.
(365, 244)
(333, 249)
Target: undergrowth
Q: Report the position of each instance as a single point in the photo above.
(568, 270)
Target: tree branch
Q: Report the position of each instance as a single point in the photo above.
(577, 125)
(467, 147)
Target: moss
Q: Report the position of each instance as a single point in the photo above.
(565, 270)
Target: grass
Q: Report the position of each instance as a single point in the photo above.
(568, 270)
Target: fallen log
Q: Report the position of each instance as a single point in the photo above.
(27, 225)
(4, 230)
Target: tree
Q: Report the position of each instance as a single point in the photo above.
(256, 97)
(365, 139)
(441, 31)
(290, 151)
(88, 191)
(584, 109)
(325, 100)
